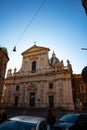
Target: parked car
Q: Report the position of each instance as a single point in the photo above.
(72, 121)
(25, 123)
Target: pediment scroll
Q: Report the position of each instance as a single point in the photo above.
(31, 87)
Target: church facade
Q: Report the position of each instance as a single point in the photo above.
(40, 83)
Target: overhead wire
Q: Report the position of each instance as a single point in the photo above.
(14, 49)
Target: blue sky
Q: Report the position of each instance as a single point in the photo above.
(60, 25)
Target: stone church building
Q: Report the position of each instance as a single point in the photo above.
(40, 83)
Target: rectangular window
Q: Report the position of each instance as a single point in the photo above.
(50, 85)
(17, 88)
(82, 88)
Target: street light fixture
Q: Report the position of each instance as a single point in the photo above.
(83, 48)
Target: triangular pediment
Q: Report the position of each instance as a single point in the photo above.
(35, 48)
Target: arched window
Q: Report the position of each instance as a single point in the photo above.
(33, 66)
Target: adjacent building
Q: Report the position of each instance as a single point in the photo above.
(3, 63)
(79, 88)
(84, 4)
(41, 82)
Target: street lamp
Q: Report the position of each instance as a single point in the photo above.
(83, 48)
(84, 4)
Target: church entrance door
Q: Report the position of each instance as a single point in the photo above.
(32, 99)
(51, 101)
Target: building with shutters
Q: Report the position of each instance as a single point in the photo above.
(3, 63)
(79, 89)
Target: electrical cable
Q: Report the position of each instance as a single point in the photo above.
(29, 24)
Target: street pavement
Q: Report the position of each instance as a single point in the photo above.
(14, 111)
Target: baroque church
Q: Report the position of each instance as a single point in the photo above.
(40, 83)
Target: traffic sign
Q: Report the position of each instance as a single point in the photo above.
(84, 74)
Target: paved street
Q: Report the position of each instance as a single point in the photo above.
(13, 111)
